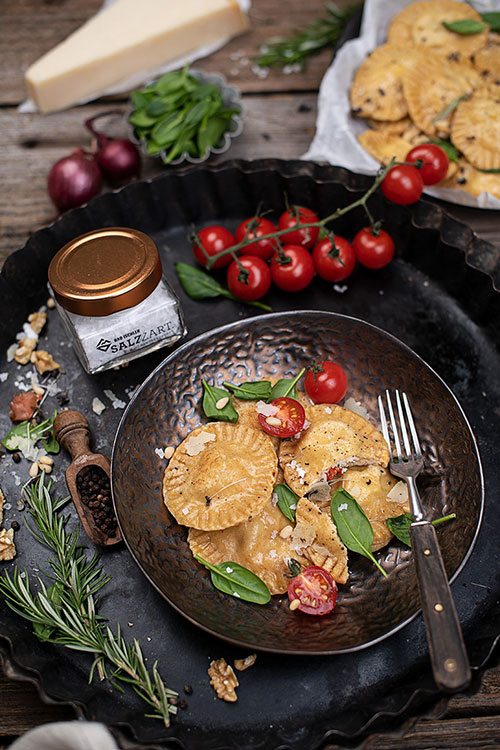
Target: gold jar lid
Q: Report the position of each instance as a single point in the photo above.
(105, 271)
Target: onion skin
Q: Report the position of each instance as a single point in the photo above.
(74, 180)
(119, 160)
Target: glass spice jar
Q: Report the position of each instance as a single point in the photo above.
(113, 299)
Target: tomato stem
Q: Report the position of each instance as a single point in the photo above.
(314, 224)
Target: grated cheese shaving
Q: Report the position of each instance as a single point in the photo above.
(399, 493)
(197, 443)
(356, 407)
(268, 410)
(303, 535)
(97, 406)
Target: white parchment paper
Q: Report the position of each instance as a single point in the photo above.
(336, 129)
(143, 76)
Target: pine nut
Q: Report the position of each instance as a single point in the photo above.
(221, 403)
(295, 604)
(34, 470)
(38, 390)
(46, 460)
(274, 421)
(50, 303)
(46, 468)
(168, 452)
(286, 532)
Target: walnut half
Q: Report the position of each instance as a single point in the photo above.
(7, 546)
(223, 680)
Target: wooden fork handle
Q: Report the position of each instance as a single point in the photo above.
(449, 659)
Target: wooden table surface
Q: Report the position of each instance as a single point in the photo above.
(280, 113)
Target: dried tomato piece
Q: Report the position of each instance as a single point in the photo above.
(24, 405)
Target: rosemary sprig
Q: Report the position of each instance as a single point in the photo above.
(65, 612)
(295, 49)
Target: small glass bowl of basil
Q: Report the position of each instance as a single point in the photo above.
(186, 115)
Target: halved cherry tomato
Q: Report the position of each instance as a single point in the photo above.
(334, 264)
(214, 239)
(288, 420)
(325, 383)
(403, 184)
(262, 248)
(315, 589)
(289, 219)
(257, 281)
(435, 162)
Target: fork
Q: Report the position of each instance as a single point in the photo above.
(450, 664)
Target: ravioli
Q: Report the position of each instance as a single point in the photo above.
(325, 548)
(220, 475)
(337, 437)
(475, 129)
(255, 544)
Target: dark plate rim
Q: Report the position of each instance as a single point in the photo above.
(270, 317)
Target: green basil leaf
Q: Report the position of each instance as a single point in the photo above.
(200, 285)
(492, 18)
(258, 389)
(400, 527)
(465, 26)
(353, 526)
(449, 109)
(452, 153)
(286, 387)
(211, 395)
(235, 580)
(287, 501)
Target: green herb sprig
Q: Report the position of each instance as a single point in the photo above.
(465, 26)
(25, 434)
(211, 397)
(200, 285)
(258, 389)
(353, 526)
(287, 501)
(286, 387)
(400, 525)
(235, 580)
(179, 114)
(297, 48)
(65, 613)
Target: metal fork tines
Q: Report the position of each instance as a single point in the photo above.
(446, 645)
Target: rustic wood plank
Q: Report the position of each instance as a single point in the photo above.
(29, 29)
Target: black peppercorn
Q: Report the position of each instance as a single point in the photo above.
(16, 458)
(188, 689)
(94, 489)
(14, 525)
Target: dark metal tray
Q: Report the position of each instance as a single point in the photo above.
(434, 297)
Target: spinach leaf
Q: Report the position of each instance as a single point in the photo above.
(210, 135)
(465, 26)
(400, 525)
(234, 579)
(211, 396)
(353, 526)
(258, 389)
(492, 18)
(452, 153)
(26, 431)
(200, 285)
(287, 501)
(286, 387)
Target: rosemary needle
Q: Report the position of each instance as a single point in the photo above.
(294, 50)
(65, 612)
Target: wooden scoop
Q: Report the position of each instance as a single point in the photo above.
(72, 431)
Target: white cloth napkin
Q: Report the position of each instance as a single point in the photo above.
(336, 129)
(67, 735)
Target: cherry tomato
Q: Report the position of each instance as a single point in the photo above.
(263, 248)
(436, 162)
(325, 383)
(306, 237)
(334, 264)
(288, 420)
(373, 250)
(315, 589)
(403, 184)
(214, 239)
(257, 281)
(296, 275)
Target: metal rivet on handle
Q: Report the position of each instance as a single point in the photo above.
(427, 552)
(438, 607)
(450, 665)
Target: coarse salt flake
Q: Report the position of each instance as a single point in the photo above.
(229, 570)
(97, 406)
(160, 452)
(235, 593)
(185, 511)
(328, 410)
(116, 403)
(3, 376)
(274, 499)
(342, 506)
(340, 288)
(11, 351)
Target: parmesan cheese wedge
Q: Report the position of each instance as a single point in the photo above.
(124, 38)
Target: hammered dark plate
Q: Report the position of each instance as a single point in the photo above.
(168, 406)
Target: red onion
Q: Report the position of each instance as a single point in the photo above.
(74, 180)
(118, 158)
